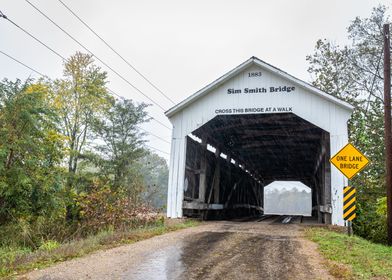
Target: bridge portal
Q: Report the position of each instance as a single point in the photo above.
(254, 126)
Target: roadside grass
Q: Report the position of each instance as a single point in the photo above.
(352, 257)
(14, 260)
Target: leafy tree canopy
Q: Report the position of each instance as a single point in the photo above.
(355, 73)
(30, 149)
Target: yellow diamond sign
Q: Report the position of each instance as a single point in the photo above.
(349, 161)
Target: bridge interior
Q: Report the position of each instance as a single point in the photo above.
(231, 158)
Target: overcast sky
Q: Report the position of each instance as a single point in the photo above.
(181, 46)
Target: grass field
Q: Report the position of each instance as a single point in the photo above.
(352, 257)
(14, 261)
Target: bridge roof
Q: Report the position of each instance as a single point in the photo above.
(255, 61)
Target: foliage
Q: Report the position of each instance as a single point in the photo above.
(30, 151)
(354, 73)
(382, 207)
(155, 172)
(369, 223)
(80, 98)
(70, 165)
(122, 145)
(112, 208)
(49, 245)
(360, 258)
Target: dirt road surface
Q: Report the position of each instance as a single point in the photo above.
(214, 250)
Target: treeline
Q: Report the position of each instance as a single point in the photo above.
(72, 158)
(354, 73)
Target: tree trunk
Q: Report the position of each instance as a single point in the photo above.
(9, 159)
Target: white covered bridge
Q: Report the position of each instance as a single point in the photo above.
(251, 127)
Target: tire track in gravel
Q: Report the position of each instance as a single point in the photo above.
(222, 255)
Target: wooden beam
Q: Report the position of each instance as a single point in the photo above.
(231, 193)
(248, 206)
(203, 172)
(217, 183)
(194, 171)
(217, 175)
(197, 205)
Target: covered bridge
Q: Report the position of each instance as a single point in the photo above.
(251, 127)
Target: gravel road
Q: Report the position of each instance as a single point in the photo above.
(214, 250)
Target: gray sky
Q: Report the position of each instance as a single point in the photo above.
(181, 46)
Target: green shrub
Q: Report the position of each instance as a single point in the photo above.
(104, 208)
(8, 255)
(49, 245)
(371, 221)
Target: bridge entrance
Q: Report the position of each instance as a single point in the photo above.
(232, 158)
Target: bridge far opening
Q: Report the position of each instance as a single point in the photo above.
(288, 198)
(236, 164)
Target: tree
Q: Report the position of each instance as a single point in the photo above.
(30, 151)
(81, 98)
(123, 144)
(354, 73)
(155, 173)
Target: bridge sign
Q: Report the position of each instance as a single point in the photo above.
(349, 161)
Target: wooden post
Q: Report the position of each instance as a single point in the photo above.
(203, 171)
(349, 228)
(327, 179)
(387, 123)
(231, 193)
(228, 174)
(216, 185)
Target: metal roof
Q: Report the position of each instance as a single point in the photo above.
(255, 61)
